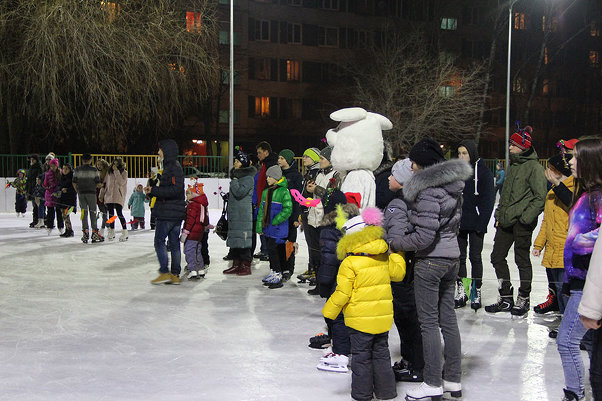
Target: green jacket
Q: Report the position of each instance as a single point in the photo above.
(280, 209)
(524, 192)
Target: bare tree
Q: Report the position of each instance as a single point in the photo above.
(423, 94)
(102, 74)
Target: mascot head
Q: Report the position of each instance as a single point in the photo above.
(358, 140)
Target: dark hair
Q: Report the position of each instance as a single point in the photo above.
(86, 157)
(35, 157)
(263, 145)
(588, 152)
(120, 165)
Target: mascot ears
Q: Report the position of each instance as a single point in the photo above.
(353, 114)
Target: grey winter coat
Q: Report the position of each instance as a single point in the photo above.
(240, 210)
(396, 221)
(434, 197)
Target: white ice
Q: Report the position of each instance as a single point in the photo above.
(82, 322)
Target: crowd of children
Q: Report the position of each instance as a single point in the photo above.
(404, 265)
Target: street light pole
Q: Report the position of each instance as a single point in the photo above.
(511, 4)
(231, 110)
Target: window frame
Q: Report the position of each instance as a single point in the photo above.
(323, 37)
(449, 23)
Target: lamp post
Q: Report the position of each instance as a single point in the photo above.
(510, 5)
(231, 110)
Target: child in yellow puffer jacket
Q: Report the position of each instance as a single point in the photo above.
(364, 295)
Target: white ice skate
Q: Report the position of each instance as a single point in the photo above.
(111, 234)
(334, 363)
(193, 275)
(40, 224)
(424, 392)
(124, 235)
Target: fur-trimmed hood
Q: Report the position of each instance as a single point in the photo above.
(244, 172)
(449, 174)
(368, 241)
(351, 209)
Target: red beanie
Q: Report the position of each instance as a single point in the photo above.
(522, 138)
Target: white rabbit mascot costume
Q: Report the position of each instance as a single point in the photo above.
(358, 150)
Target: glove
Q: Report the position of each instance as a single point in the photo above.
(183, 237)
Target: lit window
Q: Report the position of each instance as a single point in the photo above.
(294, 34)
(519, 21)
(449, 24)
(224, 116)
(545, 87)
(519, 86)
(594, 30)
(262, 30)
(111, 8)
(546, 59)
(328, 37)
(330, 4)
(224, 38)
(193, 21)
(447, 91)
(594, 58)
(549, 24)
(292, 70)
(262, 106)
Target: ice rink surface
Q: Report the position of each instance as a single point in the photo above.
(82, 322)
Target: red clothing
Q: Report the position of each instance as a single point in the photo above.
(197, 217)
(261, 182)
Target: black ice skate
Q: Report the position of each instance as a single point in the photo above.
(85, 236)
(504, 304)
(521, 307)
(320, 341)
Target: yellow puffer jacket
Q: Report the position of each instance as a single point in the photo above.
(364, 282)
(555, 225)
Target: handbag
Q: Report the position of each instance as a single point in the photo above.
(221, 228)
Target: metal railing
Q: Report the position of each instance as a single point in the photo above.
(139, 166)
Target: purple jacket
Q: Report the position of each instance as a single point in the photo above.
(51, 183)
(584, 221)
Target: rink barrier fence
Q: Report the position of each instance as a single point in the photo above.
(139, 166)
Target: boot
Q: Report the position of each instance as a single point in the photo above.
(97, 237)
(504, 303)
(234, 268)
(124, 235)
(475, 304)
(245, 268)
(549, 305)
(570, 396)
(521, 307)
(460, 298)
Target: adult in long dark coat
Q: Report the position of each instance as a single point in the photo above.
(35, 169)
(478, 198)
(240, 215)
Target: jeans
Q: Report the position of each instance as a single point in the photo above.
(88, 202)
(434, 287)
(194, 258)
(171, 230)
(371, 366)
(570, 333)
(595, 369)
(520, 235)
(474, 241)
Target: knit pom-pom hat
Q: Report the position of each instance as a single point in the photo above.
(371, 216)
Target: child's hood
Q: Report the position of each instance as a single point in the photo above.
(201, 199)
(367, 241)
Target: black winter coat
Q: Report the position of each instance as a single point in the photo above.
(329, 263)
(383, 194)
(170, 204)
(477, 205)
(32, 173)
(68, 198)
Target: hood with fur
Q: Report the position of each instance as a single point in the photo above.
(449, 173)
(368, 241)
(244, 172)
